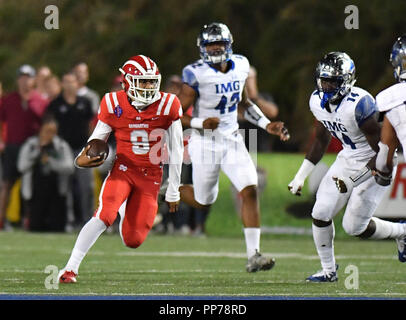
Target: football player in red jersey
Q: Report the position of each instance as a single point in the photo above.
(142, 119)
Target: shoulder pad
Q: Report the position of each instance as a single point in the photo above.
(391, 97)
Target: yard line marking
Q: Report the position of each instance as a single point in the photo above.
(237, 255)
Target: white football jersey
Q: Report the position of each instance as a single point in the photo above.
(393, 100)
(218, 93)
(345, 120)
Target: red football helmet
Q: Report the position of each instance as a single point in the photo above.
(141, 79)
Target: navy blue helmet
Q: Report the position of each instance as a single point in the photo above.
(398, 58)
(335, 76)
(215, 33)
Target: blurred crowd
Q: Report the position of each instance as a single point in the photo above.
(44, 124)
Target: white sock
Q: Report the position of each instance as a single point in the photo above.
(86, 238)
(252, 236)
(323, 239)
(388, 230)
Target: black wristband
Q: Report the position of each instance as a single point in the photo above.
(383, 180)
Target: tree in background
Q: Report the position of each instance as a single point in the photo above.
(282, 39)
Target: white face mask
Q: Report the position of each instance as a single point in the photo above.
(142, 93)
(142, 105)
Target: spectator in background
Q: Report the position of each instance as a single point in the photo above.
(116, 85)
(46, 162)
(81, 70)
(42, 73)
(74, 115)
(174, 84)
(20, 118)
(52, 86)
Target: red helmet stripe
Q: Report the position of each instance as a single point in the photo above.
(137, 65)
(146, 61)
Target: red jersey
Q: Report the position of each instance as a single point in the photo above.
(138, 133)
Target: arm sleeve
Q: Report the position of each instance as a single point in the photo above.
(365, 108)
(175, 151)
(101, 131)
(190, 79)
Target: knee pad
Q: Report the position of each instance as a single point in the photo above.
(354, 227)
(322, 216)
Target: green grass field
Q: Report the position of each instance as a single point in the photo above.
(168, 265)
(186, 266)
(280, 168)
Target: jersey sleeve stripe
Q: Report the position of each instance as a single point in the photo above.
(108, 103)
(161, 104)
(169, 104)
(115, 100)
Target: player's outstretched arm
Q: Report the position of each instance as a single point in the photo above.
(313, 156)
(254, 115)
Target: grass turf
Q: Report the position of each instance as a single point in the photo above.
(274, 200)
(213, 266)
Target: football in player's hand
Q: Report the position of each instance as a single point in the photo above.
(98, 148)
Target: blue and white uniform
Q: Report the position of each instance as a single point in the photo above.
(345, 120)
(393, 101)
(344, 123)
(218, 95)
